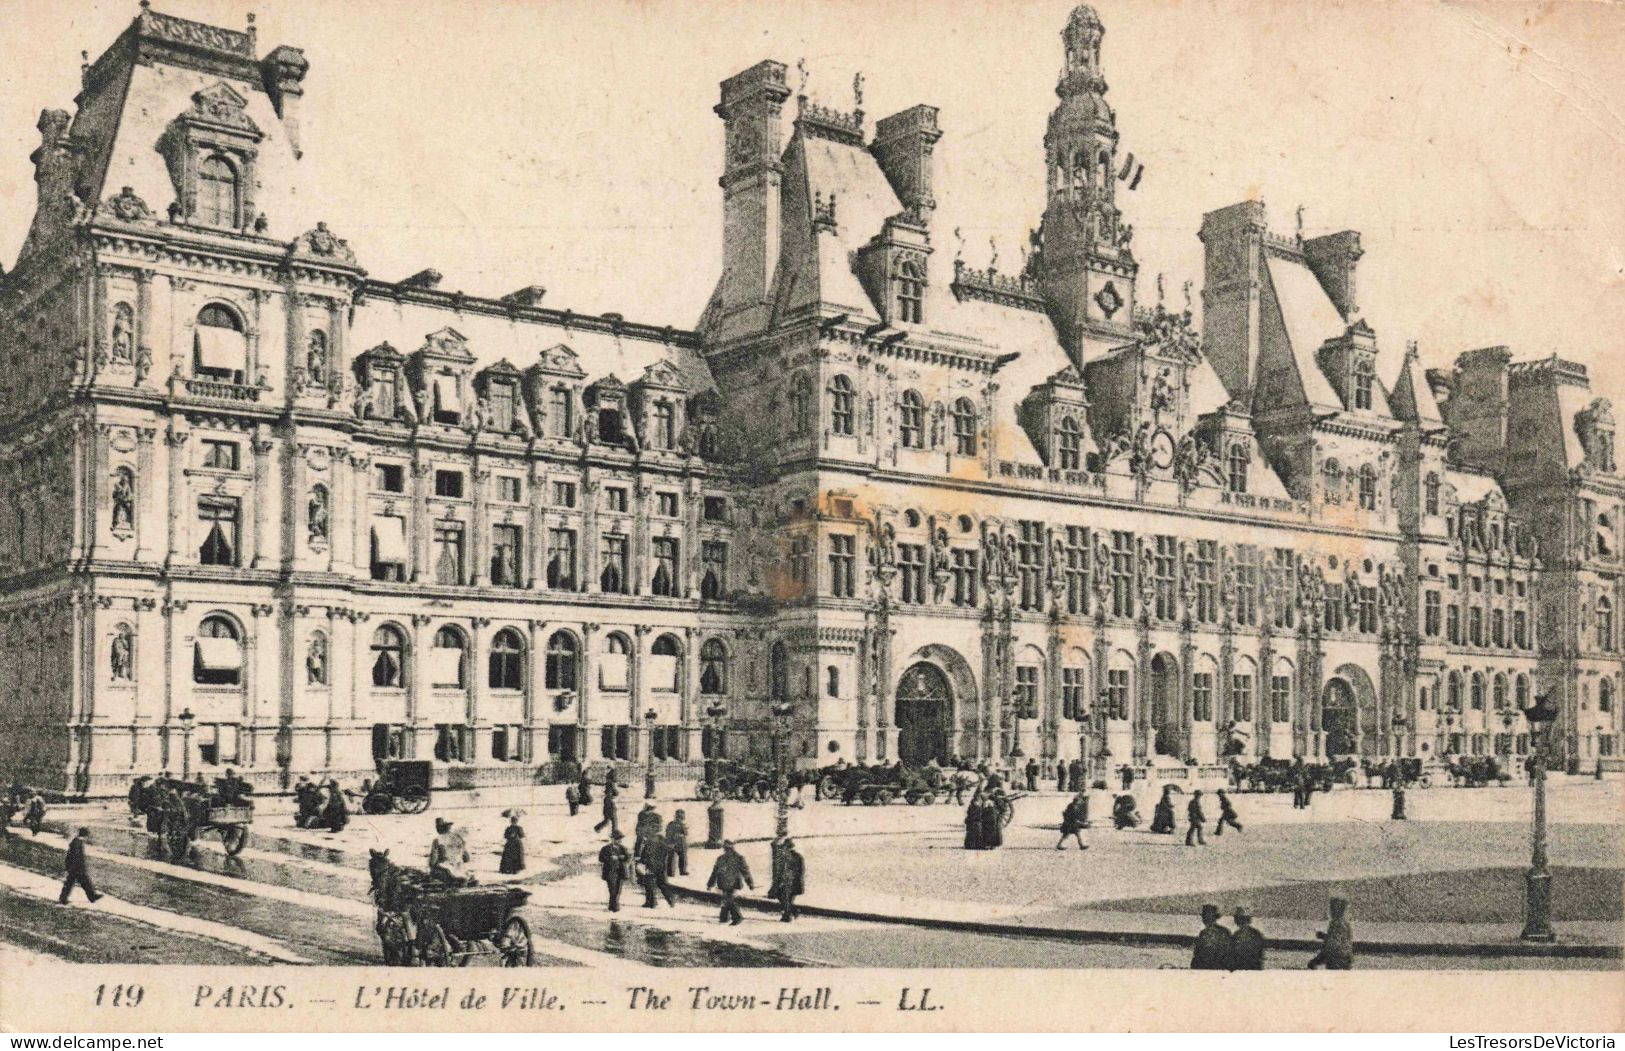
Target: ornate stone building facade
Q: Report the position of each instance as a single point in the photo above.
(260, 505)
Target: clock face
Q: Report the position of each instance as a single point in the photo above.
(1162, 450)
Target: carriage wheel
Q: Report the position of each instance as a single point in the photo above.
(413, 800)
(702, 791)
(433, 948)
(515, 943)
(234, 838)
(1007, 815)
(377, 803)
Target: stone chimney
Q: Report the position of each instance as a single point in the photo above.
(529, 296)
(284, 72)
(903, 145)
(751, 108)
(1332, 258)
(1233, 243)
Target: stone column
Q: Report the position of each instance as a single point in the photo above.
(175, 441)
(265, 490)
(360, 532)
(586, 695)
(535, 567)
(587, 543)
(418, 685)
(145, 503)
(533, 712)
(478, 546)
(634, 689)
(418, 526)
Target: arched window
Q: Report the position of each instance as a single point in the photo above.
(221, 353)
(1331, 482)
(911, 420)
(1430, 495)
(507, 661)
(1103, 165)
(446, 658)
(910, 292)
(217, 659)
(778, 672)
(1368, 488)
(800, 405)
(964, 427)
(1238, 459)
(561, 661)
(388, 657)
(216, 193)
(841, 417)
(1364, 380)
(832, 681)
(614, 666)
(665, 663)
(1453, 693)
(1069, 445)
(1605, 624)
(1498, 693)
(1478, 691)
(713, 667)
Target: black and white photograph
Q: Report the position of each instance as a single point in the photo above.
(1046, 491)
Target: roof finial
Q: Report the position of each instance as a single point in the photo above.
(1159, 290)
(1410, 348)
(1300, 222)
(801, 70)
(857, 89)
(993, 245)
(1187, 296)
(959, 246)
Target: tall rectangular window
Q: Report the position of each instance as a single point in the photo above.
(1117, 693)
(389, 553)
(964, 567)
(1241, 697)
(1026, 691)
(842, 566)
(560, 412)
(1368, 610)
(1475, 626)
(1165, 577)
(801, 561)
(1431, 606)
(1202, 697)
(1498, 627)
(220, 518)
(448, 553)
(1077, 569)
(561, 559)
(507, 555)
(1452, 623)
(501, 400)
(614, 579)
(382, 384)
(1030, 564)
(1333, 610)
(1285, 571)
(1207, 581)
(1520, 629)
(1122, 574)
(911, 572)
(1280, 699)
(713, 570)
(665, 426)
(1246, 584)
(664, 579)
(1073, 693)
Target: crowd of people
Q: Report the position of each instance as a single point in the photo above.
(1218, 948)
(19, 798)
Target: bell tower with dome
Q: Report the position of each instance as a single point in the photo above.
(1083, 260)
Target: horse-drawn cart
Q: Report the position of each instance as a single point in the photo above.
(402, 787)
(179, 811)
(421, 922)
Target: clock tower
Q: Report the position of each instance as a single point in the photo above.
(1083, 260)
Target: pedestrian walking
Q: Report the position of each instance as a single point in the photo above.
(677, 841)
(78, 871)
(973, 822)
(1032, 775)
(1337, 940)
(584, 787)
(1227, 815)
(1212, 950)
(1193, 812)
(1074, 819)
(1398, 812)
(729, 874)
(613, 861)
(1246, 944)
(649, 826)
(35, 817)
(1127, 773)
(1162, 816)
(792, 881)
(8, 809)
(1300, 783)
(611, 819)
(513, 848)
(652, 859)
(572, 797)
(1060, 777)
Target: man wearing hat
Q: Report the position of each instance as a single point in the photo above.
(1193, 811)
(612, 819)
(792, 879)
(650, 826)
(729, 874)
(612, 865)
(448, 854)
(677, 840)
(1337, 940)
(1246, 944)
(1212, 952)
(653, 858)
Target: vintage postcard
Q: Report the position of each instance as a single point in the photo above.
(833, 516)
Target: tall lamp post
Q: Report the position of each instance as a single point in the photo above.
(649, 754)
(1537, 919)
(782, 710)
(185, 719)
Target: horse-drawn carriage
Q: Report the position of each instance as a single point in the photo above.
(1278, 775)
(1395, 773)
(729, 779)
(179, 811)
(402, 787)
(1475, 771)
(879, 785)
(421, 921)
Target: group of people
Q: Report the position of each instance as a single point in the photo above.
(985, 816)
(322, 804)
(659, 852)
(1219, 948)
(29, 801)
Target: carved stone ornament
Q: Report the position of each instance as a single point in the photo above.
(127, 207)
(1109, 299)
(322, 242)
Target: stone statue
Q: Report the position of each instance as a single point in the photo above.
(122, 339)
(123, 499)
(316, 358)
(316, 661)
(121, 658)
(316, 515)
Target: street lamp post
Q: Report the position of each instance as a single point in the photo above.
(1537, 920)
(781, 788)
(649, 754)
(185, 719)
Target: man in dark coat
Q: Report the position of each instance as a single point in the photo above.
(612, 866)
(1127, 773)
(1227, 815)
(677, 841)
(1212, 951)
(650, 825)
(611, 819)
(7, 810)
(1337, 940)
(35, 818)
(1193, 812)
(653, 856)
(993, 820)
(572, 797)
(1246, 944)
(729, 874)
(584, 789)
(1074, 775)
(78, 872)
(973, 822)
(1074, 819)
(1162, 817)
(1032, 775)
(1300, 780)
(1060, 776)
(792, 882)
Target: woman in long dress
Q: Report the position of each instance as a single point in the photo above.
(973, 822)
(1162, 820)
(513, 848)
(993, 822)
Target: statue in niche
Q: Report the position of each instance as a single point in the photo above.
(121, 657)
(316, 515)
(316, 661)
(123, 499)
(123, 340)
(316, 357)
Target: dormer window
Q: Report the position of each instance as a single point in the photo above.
(448, 399)
(1365, 377)
(840, 406)
(1236, 464)
(609, 425)
(221, 349)
(217, 193)
(560, 412)
(911, 420)
(910, 292)
(501, 397)
(664, 433)
(1069, 445)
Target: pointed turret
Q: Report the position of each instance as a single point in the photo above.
(1412, 399)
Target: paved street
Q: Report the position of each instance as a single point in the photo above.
(1451, 875)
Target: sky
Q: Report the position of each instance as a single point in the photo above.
(1478, 148)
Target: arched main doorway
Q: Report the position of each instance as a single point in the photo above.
(1166, 724)
(924, 708)
(1338, 717)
